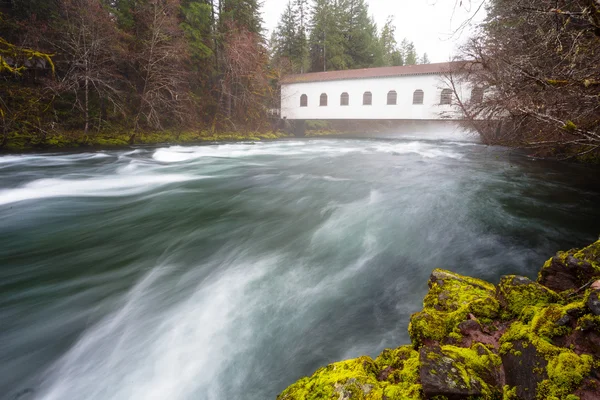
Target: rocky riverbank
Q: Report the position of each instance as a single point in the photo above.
(519, 339)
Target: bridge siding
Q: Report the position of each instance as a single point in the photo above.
(431, 84)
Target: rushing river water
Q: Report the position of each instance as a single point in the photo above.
(229, 271)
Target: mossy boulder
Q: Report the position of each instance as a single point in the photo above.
(452, 299)
(520, 340)
(525, 369)
(452, 372)
(571, 270)
(517, 292)
(540, 355)
(394, 375)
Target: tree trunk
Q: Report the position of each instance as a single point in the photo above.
(87, 103)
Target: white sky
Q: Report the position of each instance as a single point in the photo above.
(428, 23)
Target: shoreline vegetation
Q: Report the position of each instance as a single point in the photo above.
(520, 339)
(79, 140)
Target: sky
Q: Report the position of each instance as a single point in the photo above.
(427, 23)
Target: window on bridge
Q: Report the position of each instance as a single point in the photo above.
(392, 98)
(304, 101)
(367, 99)
(446, 97)
(418, 96)
(323, 100)
(477, 95)
(344, 99)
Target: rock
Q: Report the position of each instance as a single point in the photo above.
(524, 368)
(469, 326)
(392, 375)
(452, 299)
(593, 302)
(572, 269)
(519, 340)
(564, 320)
(459, 373)
(517, 292)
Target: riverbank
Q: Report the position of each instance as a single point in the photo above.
(519, 339)
(79, 140)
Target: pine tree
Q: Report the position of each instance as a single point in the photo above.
(391, 54)
(197, 25)
(243, 13)
(286, 39)
(326, 41)
(409, 52)
(359, 33)
(425, 59)
(302, 10)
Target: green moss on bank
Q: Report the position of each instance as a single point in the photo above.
(450, 300)
(65, 140)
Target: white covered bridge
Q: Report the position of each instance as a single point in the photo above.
(413, 92)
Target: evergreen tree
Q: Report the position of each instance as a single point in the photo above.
(302, 11)
(242, 13)
(286, 43)
(409, 52)
(197, 25)
(391, 54)
(359, 33)
(425, 59)
(326, 41)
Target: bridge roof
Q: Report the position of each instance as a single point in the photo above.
(368, 73)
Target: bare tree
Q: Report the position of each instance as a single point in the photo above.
(159, 57)
(88, 45)
(244, 85)
(538, 63)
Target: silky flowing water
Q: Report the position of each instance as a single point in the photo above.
(230, 271)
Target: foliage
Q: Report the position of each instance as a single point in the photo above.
(539, 63)
(97, 66)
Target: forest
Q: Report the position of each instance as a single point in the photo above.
(77, 72)
(83, 72)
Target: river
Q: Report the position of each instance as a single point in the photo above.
(230, 271)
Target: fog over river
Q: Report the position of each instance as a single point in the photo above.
(230, 271)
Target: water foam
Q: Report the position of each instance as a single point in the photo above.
(178, 353)
(122, 185)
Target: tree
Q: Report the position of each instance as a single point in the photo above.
(409, 52)
(87, 41)
(425, 59)
(159, 58)
(244, 13)
(539, 64)
(391, 54)
(245, 84)
(326, 41)
(359, 33)
(302, 10)
(286, 40)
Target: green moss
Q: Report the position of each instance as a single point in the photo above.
(589, 254)
(509, 393)
(358, 379)
(537, 325)
(535, 315)
(589, 322)
(470, 366)
(517, 293)
(570, 126)
(565, 372)
(451, 298)
(74, 139)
